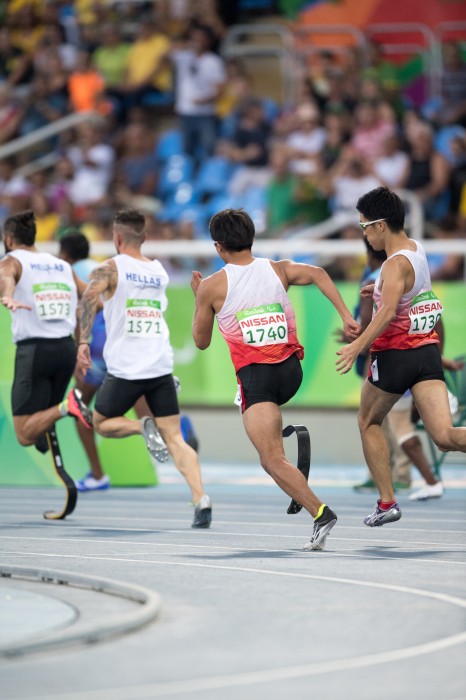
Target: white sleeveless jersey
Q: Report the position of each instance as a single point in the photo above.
(48, 286)
(257, 318)
(138, 342)
(418, 311)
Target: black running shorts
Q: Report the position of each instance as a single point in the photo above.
(275, 383)
(399, 370)
(116, 396)
(43, 369)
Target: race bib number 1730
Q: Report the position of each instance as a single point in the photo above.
(264, 325)
(424, 314)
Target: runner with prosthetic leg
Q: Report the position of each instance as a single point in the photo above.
(41, 293)
(256, 318)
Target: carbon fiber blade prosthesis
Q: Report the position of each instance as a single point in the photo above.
(65, 478)
(304, 457)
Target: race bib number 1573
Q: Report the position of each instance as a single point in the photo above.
(52, 301)
(264, 325)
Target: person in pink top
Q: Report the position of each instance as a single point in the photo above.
(256, 318)
(404, 346)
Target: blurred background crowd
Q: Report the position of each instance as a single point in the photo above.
(180, 130)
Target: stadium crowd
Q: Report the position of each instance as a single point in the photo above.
(181, 133)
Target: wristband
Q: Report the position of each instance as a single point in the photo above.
(84, 342)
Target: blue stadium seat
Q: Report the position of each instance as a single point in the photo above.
(214, 175)
(176, 170)
(169, 144)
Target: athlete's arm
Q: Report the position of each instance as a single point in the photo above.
(102, 281)
(204, 314)
(301, 274)
(394, 281)
(10, 273)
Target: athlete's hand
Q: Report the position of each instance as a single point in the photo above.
(351, 330)
(196, 279)
(348, 355)
(367, 290)
(14, 304)
(84, 361)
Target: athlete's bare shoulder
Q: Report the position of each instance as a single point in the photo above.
(11, 267)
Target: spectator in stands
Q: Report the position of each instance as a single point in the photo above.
(14, 188)
(53, 40)
(41, 107)
(11, 113)
(337, 134)
(15, 65)
(147, 70)
(200, 75)
(57, 76)
(390, 166)
(291, 199)
(92, 162)
(306, 141)
(427, 172)
(111, 57)
(381, 70)
(249, 147)
(370, 129)
(453, 109)
(137, 167)
(26, 28)
(348, 180)
(87, 88)
(47, 221)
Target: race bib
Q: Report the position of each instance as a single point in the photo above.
(264, 325)
(52, 301)
(143, 318)
(424, 313)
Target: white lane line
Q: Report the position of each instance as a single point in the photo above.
(323, 554)
(76, 519)
(192, 685)
(91, 540)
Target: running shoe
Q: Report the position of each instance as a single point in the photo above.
(381, 517)
(154, 441)
(322, 527)
(78, 409)
(202, 513)
(89, 483)
(427, 491)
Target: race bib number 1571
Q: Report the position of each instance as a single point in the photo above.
(264, 325)
(143, 318)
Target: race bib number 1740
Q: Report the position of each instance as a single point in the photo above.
(264, 325)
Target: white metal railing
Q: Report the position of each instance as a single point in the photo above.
(45, 132)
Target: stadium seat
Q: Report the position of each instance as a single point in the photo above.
(214, 175)
(177, 169)
(170, 143)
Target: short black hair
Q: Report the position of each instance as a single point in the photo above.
(22, 227)
(75, 245)
(233, 228)
(382, 203)
(132, 218)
